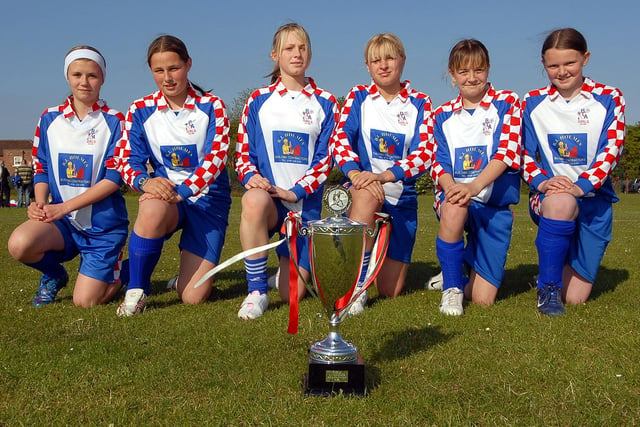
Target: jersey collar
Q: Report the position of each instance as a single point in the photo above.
(403, 94)
(587, 88)
(162, 102)
(484, 103)
(308, 90)
(67, 108)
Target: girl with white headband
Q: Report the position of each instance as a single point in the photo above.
(78, 208)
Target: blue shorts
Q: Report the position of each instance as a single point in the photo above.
(488, 231)
(204, 226)
(99, 253)
(404, 224)
(594, 227)
(302, 242)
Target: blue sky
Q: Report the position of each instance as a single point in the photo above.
(230, 43)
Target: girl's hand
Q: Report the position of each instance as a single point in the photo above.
(160, 187)
(258, 181)
(556, 183)
(282, 194)
(54, 212)
(35, 212)
(459, 194)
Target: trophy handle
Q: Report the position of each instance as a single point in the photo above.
(381, 233)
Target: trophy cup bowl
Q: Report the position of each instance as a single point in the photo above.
(336, 251)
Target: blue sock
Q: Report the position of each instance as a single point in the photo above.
(552, 241)
(49, 265)
(256, 273)
(365, 266)
(451, 257)
(144, 255)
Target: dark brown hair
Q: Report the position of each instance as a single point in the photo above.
(167, 43)
(565, 38)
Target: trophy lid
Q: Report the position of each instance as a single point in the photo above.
(336, 200)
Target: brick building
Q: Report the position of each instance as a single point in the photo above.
(12, 151)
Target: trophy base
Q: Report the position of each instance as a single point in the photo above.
(328, 379)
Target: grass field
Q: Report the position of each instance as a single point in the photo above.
(201, 365)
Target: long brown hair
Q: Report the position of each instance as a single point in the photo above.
(169, 43)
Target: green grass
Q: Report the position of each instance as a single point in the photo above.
(201, 365)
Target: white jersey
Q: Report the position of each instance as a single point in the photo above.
(284, 137)
(376, 135)
(72, 155)
(581, 139)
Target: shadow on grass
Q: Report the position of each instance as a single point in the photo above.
(517, 280)
(402, 344)
(520, 280)
(227, 285)
(607, 281)
(417, 275)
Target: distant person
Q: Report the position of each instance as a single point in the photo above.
(282, 160)
(87, 213)
(382, 144)
(476, 162)
(573, 136)
(16, 180)
(5, 190)
(183, 132)
(26, 175)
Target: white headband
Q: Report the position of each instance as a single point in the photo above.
(85, 54)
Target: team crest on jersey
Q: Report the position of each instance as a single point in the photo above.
(469, 161)
(179, 157)
(290, 147)
(487, 126)
(74, 170)
(568, 149)
(190, 127)
(91, 137)
(583, 116)
(386, 145)
(403, 120)
(307, 118)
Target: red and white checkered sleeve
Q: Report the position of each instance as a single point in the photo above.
(436, 168)
(419, 160)
(510, 148)
(611, 141)
(244, 168)
(214, 161)
(530, 169)
(319, 171)
(342, 151)
(122, 152)
(38, 167)
(113, 162)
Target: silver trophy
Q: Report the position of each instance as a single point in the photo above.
(336, 251)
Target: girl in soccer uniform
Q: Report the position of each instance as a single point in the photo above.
(184, 136)
(573, 136)
(381, 145)
(282, 160)
(73, 156)
(475, 168)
